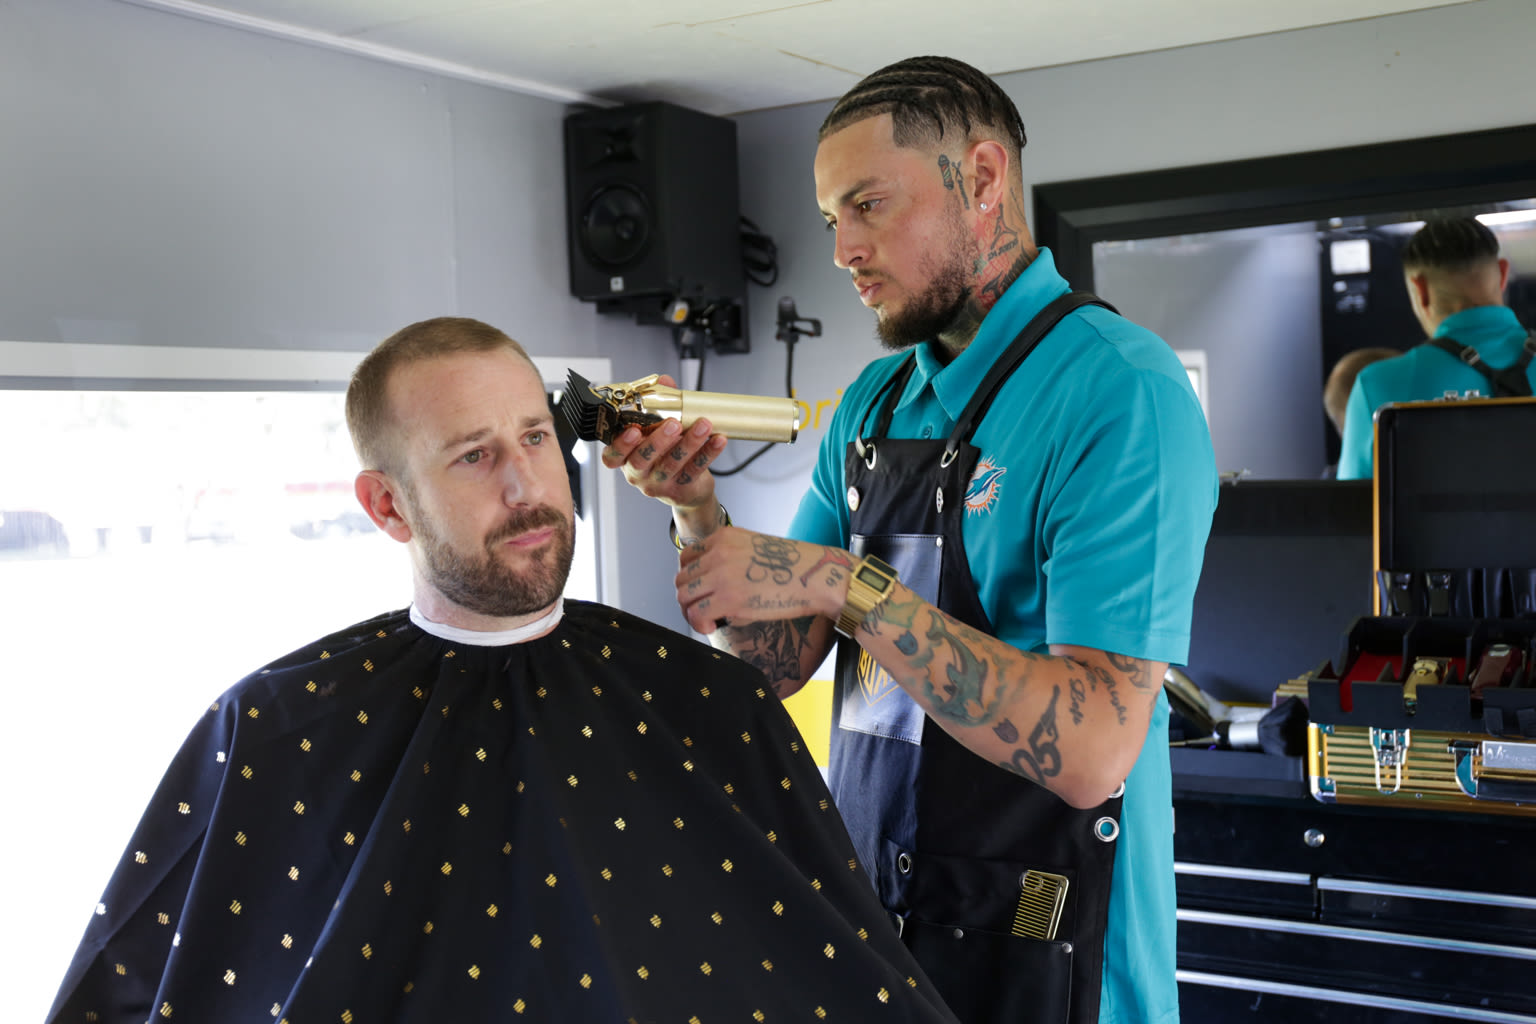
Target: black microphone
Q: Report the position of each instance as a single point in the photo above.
(790, 322)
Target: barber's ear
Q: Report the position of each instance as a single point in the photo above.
(377, 493)
(989, 174)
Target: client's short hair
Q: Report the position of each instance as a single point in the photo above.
(1451, 244)
(369, 417)
(1342, 378)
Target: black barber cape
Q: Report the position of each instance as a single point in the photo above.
(611, 822)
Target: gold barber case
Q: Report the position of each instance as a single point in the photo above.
(1431, 702)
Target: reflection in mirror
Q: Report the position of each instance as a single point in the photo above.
(1275, 307)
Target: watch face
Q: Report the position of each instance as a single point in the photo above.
(872, 577)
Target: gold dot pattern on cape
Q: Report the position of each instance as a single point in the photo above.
(121, 969)
(864, 935)
(480, 755)
(367, 951)
(677, 823)
(506, 847)
(655, 920)
(704, 691)
(426, 929)
(305, 745)
(346, 1017)
(666, 869)
(310, 686)
(183, 808)
(252, 713)
(757, 1015)
(586, 731)
(550, 880)
(717, 917)
(519, 1006)
(246, 773)
(287, 942)
(324, 655)
(618, 823)
(821, 1014)
(829, 950)
(541, 693)
(474, 970)
(727, 865)
(450, 654)
(642, 972)
(426, 767)
(362, 717)
(162, 918)
(356, 775)
(586, 981)
(768, 966)
(298, 807)
(607, 875)
(463, 810)
(491, 910)
(688, 766)
(640, 728)
(234, 907)
(496, 703)
(645, 695)
(778, 908)
(773, 836)
(571, 780)
(293, 873)
(349, 839)
(536, 941)
(165, 1010)
(276, 1009)
(746, 737)
(406, 824)
(447, 868)
(389, 887)
(140, 857)
(705, 969)
(367, 665)
(418, 693)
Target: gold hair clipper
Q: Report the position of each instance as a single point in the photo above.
(600, 412)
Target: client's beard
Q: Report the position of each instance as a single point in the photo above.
(482, 583)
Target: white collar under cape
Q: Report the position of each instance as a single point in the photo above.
(497, 638)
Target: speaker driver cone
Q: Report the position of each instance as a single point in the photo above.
(616, 225)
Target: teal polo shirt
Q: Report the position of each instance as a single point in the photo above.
(1085, 524)
(1424, 372)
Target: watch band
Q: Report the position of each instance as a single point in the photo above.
(869, 586)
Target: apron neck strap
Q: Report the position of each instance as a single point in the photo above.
(1002, 368)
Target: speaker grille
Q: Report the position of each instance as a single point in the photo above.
(616, 226)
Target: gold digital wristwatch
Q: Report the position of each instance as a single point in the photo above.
(870, 584)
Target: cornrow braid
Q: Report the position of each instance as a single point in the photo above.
(1450, 244)
(928, 97)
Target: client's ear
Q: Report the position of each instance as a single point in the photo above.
(377, 493)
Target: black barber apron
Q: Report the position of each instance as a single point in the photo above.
(946, 835)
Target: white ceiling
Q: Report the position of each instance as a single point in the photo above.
(730, 56)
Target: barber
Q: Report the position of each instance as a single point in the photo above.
(1005, 527)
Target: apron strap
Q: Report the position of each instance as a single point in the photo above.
(886, 400)
(1003, 368)
(1508, 382)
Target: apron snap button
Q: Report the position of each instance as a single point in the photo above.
(853, 499)
(1066, 947)
(904, 863)
(959, 933)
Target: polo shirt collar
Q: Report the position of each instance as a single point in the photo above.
(1478, 320)
(955, 383)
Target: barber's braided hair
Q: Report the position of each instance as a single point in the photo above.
(1450, 244)
(927, 96)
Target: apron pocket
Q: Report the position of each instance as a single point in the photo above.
(994, 978)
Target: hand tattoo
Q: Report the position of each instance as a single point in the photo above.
(829, 556)
(772, 557)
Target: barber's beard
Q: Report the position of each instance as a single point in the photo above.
(481, 582)
(940, 305)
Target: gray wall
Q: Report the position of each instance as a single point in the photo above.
(165, 181)
(1426, 73)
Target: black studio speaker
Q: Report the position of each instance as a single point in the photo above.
(652, 207)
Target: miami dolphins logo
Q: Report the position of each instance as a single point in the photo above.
(986, 484)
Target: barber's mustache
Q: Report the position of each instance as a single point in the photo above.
(525, 520)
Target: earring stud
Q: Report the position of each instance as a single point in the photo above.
(982, 205)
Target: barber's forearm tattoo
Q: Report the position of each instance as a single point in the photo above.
(1041, 758)
(1137, 671)
(772, 558)
(773, 648)
(829, 556)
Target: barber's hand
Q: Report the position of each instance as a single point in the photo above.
(738, 576)
(667, 463)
